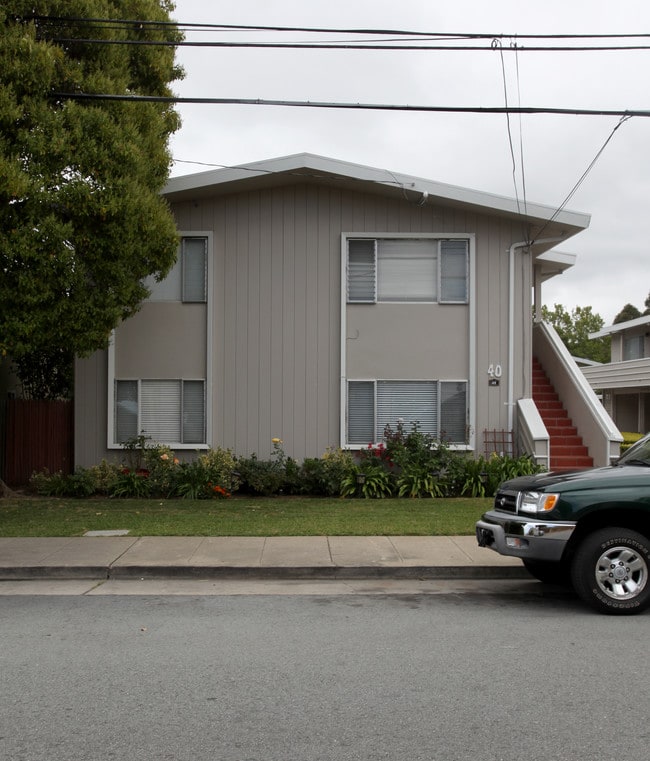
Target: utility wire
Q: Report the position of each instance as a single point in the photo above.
(349, 106)
(66, 20)
(505, 99)
(521, 139)
(583, 176)
(342, 46)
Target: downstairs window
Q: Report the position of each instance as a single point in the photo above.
(168, 411)
(439, 408)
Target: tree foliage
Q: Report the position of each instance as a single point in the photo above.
(82, 222)
(574, 328)
(629, 312)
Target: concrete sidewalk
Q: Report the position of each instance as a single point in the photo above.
(295, 557)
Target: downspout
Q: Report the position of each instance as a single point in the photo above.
(511, 321)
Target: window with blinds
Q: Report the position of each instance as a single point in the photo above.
(168, 411)
(439, 408)
(187, 279)
(407, 270)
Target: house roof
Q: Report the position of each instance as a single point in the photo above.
(555, 263)
(637, 322)
(310, 168)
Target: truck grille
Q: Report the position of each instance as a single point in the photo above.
(506, 501)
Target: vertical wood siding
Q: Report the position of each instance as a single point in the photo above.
(276, 359)
(276, 312)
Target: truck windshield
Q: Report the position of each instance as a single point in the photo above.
(638, 454)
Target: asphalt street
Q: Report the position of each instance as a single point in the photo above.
(497, 675)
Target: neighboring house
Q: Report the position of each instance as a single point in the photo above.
(624, 382)
(317, 301)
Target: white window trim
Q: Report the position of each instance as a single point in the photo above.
(471, 293)
(110, 427)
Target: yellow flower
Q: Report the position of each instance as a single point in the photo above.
(277, 441)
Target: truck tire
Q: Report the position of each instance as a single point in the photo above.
(548, 573)
(611, 571)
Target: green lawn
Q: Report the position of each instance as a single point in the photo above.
(241, 516)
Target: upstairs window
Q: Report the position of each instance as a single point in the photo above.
(424, 270)
(187, 279)
(633, 347)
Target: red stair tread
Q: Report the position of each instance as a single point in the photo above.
(567, 448)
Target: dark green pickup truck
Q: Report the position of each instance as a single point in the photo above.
(588, 528)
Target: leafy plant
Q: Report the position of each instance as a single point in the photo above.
(419, 482)
(280, 474)
(136, 451)
(475, 478)
(193, 481)
(323, 476)
(162, 468)
(49, 484)
(104, 476)
(368, 481)
(259, 476)
(131, 483)
(220, 466)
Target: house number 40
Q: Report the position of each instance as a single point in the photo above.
(494, 371)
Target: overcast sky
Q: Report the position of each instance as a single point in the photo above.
(471, 150)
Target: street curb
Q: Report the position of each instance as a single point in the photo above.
(262, 573)
(58, 573)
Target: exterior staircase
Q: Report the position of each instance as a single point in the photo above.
(566, 446)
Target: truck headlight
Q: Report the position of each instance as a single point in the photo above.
(535, 502)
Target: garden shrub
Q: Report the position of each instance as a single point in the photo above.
(323, 475)
(131, 484)
(407, 464)
(221, 467)
(629, 438)
(371, 479)
(278, 475)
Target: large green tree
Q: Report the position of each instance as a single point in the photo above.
(82, 223)
(574, 328)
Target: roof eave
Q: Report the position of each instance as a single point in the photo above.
(312, 168)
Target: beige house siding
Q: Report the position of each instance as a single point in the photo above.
(150, 344)
(90, 410)
(407, 341)
(275, 295)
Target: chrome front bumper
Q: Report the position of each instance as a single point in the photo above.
(523, 537)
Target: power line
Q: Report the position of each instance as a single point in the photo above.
(49, 24)
(583, 176)
(346, 46)
(64, 20)
(349, 106)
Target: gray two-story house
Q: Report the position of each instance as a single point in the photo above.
(317, 301)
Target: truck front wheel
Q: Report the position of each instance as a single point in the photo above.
(610, 571)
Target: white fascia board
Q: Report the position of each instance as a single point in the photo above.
(554, 263)
(621, 326)
(419, 186)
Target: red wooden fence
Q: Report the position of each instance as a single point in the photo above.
(38, 435)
